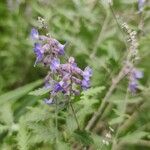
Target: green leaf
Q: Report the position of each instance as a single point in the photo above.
(71, 123)
(83, 137)
(116, 120)
(19, 92)
(3, 128)
(6, 114)
(92, 91)
(88, 99)
(23, 137)
(40, 91)
(62, 145)
(134, 136)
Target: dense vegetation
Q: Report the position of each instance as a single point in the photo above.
(97, 35)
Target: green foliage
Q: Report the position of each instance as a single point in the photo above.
(40, 91)
(93, 37)
(86, 104)
(83, 137)
(23, 137)
(18, 93)
(134, 137)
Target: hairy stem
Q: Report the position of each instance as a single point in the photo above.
(72, 108)
(115, 140)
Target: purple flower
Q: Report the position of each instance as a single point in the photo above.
(135, 74)
(48, 101)
(57, 47)
(85, 84)
(133, 86)
(87, 73)
(34, 34)
(141, 5)
(76, 80)
(66, 78)
(61, 49)
(138, 74)
(58, 86)
(55, 63)
(76, 69)
(38, 52)
(47, 85)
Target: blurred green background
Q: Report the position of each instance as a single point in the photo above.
(93, 38)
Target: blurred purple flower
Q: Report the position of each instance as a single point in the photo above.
(85, 84)
(138, 74)
(135, 74)
(133, 86)
(58, 86)
(57, 47)
(141, 5)
(34, 34)
(87, 73)
(61, 48)
(55, 63)
(47, 85)
(38, 52)
(49, 101)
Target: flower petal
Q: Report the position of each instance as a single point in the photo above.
(34, 34)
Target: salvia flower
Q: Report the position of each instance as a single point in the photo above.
(46, 48)
(134, 75)
(38, 52)
(66, 78)
(133, 86)
(54, 64)
(87, 73)
(85, 84)
(34, 34)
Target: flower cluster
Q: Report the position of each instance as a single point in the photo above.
(46, 48)
(133, 73)
(66, 78)
(133, 44)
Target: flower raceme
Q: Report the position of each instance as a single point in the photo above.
(66, 78)
(46, 48)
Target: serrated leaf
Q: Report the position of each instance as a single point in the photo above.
(92, 91)
(39, 92)
(19, 92)
(83, 137)
(23, 138)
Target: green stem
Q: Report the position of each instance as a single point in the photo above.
(114, 15)
(72, 108)
(56, 120)
(100, 37)
(115, 141)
